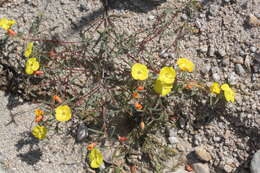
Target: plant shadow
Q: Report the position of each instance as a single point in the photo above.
(34, 154)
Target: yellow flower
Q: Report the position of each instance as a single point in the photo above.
(28, 49)
(31, 65)
(185, 64)
(162, 88)
(38, 112)
(167, 75)
(139, 72)
(6, 24)
(228, 93)
(39, 132)
(215, 88)
(95, 158)
(63, 113)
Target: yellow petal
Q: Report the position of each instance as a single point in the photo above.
(139, 72)
(63, 113)
(185, 64)
(162, 88)
(39, 132)
(167, 75)
(28, 49)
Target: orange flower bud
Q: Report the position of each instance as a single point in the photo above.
(57, 99)
(38, 118)
(188, 86)
(122, 139)
(138, 106)
(38, 72)
(11, 32)
(38, 112)
(91, 146)
(135, 95)
(142, 125)
(140, 88)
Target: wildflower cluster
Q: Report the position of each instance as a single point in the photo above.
(62, 114)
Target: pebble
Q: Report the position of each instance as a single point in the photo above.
(240, 70)
(202, 154)
(184, 17)
(232, 78)
(82, 132)
(255, 162)
(108, 155)
(216, 77)
(228, 168)
(222, 52)
(151, 17)
(206, 68)
(253, 49)
(200, 168)
(253, 21)
(173, 140)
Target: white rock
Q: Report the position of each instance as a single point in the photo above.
(255, 162)
(200, 168)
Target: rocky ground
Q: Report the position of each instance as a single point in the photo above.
(226, 49)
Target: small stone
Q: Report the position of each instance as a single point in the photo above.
(211, 51)
(206, 68)
(253, 21)
(184, 17)
(172, 132)
(173, 140)
(203, 48)
(151, 17)
(202, 154)
(239, 69)
(108, 155)
(228, 168)
(216, 77)
(253, 49)
(222, 52)
(82, 132)
(255, 162)
(232, 78)
(200, 168)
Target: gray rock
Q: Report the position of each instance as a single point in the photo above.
(216, 77)
(253, 49)
(206, 68)
(213, 10)
(108, 154)
(200, 168)
(184, 17)
(232, 78)
(240, 70)
(82, 132)
(151, 17)
(255, 162)
(172, 132)
(173, 140)
(222, 52)
(202, 154)
(203, 48)
(228, 168)
(211, 51)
